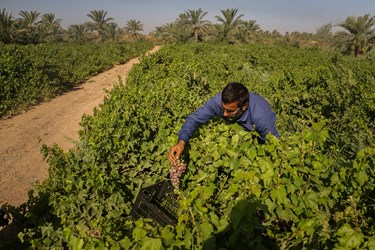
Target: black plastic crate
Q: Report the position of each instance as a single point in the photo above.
(157, 202)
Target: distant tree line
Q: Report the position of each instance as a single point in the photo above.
(356, 37)
(34, 27)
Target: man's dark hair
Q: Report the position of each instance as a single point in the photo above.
(235, 92)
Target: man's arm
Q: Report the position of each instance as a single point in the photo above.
(202, 115)
(267, 125)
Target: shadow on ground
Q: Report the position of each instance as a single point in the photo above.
(13, 220)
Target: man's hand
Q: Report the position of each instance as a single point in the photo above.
(176, 151)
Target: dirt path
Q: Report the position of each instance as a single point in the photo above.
(56, 121)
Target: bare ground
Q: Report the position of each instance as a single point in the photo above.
(56, 121)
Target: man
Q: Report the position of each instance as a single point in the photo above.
(234, 104)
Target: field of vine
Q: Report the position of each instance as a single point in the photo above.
(34, 73)
(313, 189)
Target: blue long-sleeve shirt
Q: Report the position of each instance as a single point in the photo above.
(258, 116)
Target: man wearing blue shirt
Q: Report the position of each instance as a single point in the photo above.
(234, 104)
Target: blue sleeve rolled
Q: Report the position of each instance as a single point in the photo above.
(202, 115)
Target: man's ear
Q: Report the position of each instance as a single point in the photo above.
(244, 107)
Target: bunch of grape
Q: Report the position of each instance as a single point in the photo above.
(177, 169)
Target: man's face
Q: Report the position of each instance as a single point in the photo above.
(232, 111)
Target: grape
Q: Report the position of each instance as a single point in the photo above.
(176, 171)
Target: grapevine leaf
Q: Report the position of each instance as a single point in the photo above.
(206, 229)
(138, 234)
(167, 236)
(267, 176)
(307, 225)
(349, 237)
(231, 191)
(223, 224)
(151, 244)
(251, 153)
(125, 243)
(362, 177)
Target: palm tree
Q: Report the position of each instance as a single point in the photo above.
(26, 26)
(159, 33)
(215, 33)
(247, 28)
(198, 25)
(51, 27)
(359, 32)
(182, 28)
(250, 26)
(133, 27)
(6, 27)
(100, 23)
(172, 33)
(229, 21)
(112, 30)
(29, 19)
(78, 33)
(324, 32)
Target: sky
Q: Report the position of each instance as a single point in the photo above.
(281, 15)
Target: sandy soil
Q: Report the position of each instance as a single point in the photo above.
(56, 121)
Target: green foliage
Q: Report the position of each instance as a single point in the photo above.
(313, 189)
(33, 73)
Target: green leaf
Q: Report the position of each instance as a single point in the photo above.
(371, 242)
(188, 239)
(251, 154)
(206, 229)
(138, 234)
(318, 125)
(216, 155)
(232, 153)
(167, 236)
(20, 236)
(311, 199)
(307, 225)
(235, 139)
(335, 179)
(214, 219)
(125, 243)
(115, 246)
(261, 151)
(283, 214)
(345, 230)
(362, 177)
(267, 176)
(265, 164)
(207, 192)
(348, 237)
(180, 229)
(151, 244)
(269, 148)
(279, 195)
(66, 233)
(224, 223)
(317, 165)
(231, 191)
(294, 153)
(79, 244)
